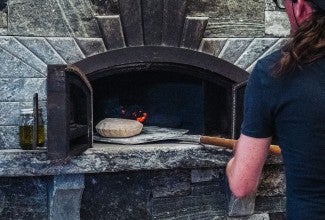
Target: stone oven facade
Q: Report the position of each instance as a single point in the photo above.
(217, 42)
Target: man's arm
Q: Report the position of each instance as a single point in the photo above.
(244, 169)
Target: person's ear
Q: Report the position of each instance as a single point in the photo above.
(303, 10)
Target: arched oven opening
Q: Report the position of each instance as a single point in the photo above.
(160, 86)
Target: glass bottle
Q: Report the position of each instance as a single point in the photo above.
(26, 129)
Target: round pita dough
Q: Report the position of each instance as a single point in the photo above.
(118, 127)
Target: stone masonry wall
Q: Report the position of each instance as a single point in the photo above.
(34, 33)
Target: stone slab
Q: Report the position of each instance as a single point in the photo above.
(112, 31)
(23, 198)
(230, 18)
(3, 19)
(276, 46)
(204, 175)
(234, 48)
(115, 158)
(171, 183)
(91, 46)
(9, 137)
(124, 195)
(65, 197)
(277, 24)
(174, 207)
(22, 89)
(51, 18)
(60, 44)
(42, 49)
(10, 112)
(257, 47)
(14, 47)
(13, 67)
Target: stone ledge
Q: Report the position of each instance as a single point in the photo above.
(116, 158)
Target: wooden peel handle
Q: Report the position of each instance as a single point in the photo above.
(229, 143)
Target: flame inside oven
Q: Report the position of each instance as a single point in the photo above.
(134, 112)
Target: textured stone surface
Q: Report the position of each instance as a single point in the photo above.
(171, 183)
(204, 175)
(114, 158)
(234, 48)
(3, 20)
(208, 45)
(234, 18)
(72, 55)
(112, 31)
(21, 89)
(278, 45)
(9, 137)
(42, 49)
(185, 206)
(270, 204)
(10, 112)
(117, 196)
(277, 24)
(14, 47)
(65, 196)
(273, 182)
(23, 198)
(51, 18)
(256, 48)
(13, 67)
(264, 216)
(91, 46)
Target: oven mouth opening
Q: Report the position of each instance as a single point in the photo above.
(173, 96)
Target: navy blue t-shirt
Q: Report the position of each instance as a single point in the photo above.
(291, 108)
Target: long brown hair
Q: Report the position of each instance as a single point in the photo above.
(307, 45)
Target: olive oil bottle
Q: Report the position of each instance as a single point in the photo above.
(26, 129)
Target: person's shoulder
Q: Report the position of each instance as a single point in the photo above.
(264, 67)
(267, 63)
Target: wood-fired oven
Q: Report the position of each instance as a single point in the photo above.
(154, 67)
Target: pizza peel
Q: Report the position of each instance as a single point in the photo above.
(153, 134)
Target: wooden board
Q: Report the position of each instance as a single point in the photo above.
(148, 134)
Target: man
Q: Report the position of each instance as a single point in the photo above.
(285, 101)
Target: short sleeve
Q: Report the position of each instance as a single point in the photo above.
(258, 121)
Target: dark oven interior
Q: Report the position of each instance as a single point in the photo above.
(167, 97)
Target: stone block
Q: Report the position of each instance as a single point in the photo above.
(204, 175)
(65, 197)
(60, 44)
(178, 207)
(171, 183)
(22, 89)
(277, 24)
(123, 195)
(276, 46)
(42, 49)
(234, 48)
(256, 49)
(15, 48)
(270, 204)
(264, 216)
(230, 18)
(91, 46)
(3, 20)
(13, 67)
(273, 181)
(51, 18)
(25, 198)
(9, 137)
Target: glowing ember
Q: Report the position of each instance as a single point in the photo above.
(133, 112)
